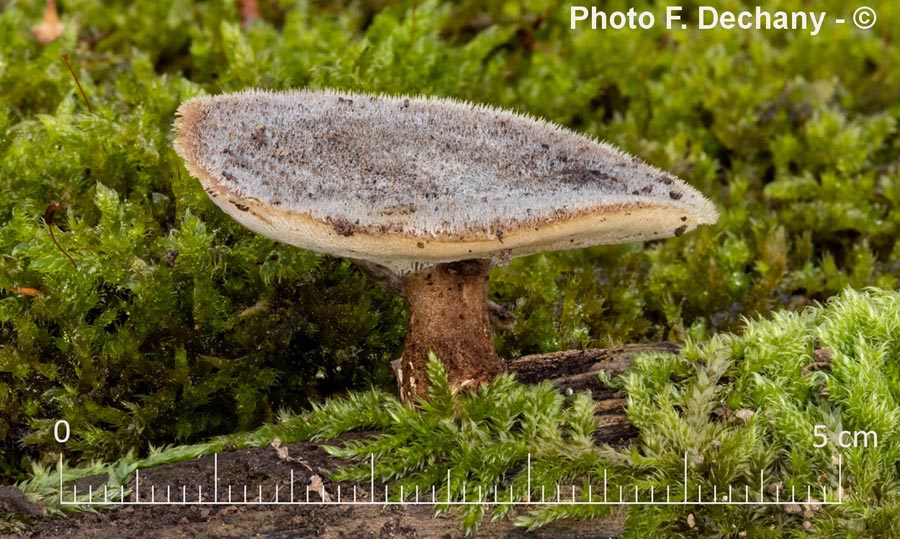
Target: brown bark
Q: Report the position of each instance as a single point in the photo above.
(448, 316)
(579, 370)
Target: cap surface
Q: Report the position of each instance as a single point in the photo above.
(410, 182)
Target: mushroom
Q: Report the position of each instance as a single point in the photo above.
(434, 190)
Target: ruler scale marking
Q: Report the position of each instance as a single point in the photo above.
(483, 497)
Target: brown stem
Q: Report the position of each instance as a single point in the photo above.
(65, 56)
(448, 316)
(49, 213)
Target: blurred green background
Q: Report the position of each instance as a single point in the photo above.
(175, 323)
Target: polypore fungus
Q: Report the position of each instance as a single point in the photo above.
(433, 189)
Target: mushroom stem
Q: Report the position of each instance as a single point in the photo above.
(448, 316)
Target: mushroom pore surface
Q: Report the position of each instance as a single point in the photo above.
(411, 182)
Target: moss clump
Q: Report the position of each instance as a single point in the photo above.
(178, 325)
(834, 366)
(736, 405)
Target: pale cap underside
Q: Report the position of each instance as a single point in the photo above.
(411, 182)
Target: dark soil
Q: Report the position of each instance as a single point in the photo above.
(264, 467)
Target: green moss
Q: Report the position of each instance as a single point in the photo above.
(833, 365)
(736, 405)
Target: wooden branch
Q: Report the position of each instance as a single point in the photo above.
(575, 368)
(12, 501)
(579, 370)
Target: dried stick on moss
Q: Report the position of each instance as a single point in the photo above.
(49, 213)
(65, 56)
(579, 370)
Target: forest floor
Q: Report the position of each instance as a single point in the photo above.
(268, 467)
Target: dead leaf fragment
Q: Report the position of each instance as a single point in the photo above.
(822, 360)
(316, 485)
(810, 509)
(50, 27)
(282, 452)
(792, 508)
(28, 291)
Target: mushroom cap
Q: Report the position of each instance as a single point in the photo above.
(409, 182)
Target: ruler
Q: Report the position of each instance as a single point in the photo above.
(381, 494)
